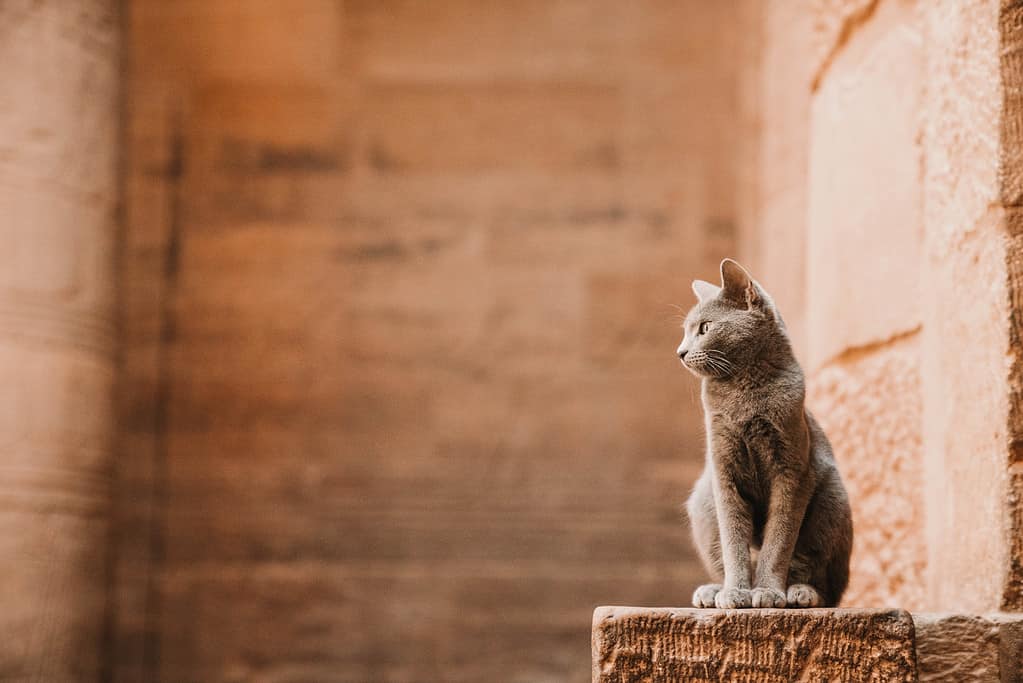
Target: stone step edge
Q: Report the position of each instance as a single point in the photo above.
(948, 646)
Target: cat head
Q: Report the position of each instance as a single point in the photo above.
(732, 325)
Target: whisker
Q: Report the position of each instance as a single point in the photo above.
(717, 362)
(720, 357)
(714, 364)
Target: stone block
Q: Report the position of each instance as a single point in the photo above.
(966, 421)
(666, 644)
(961, 115)
(833, 21)
(871, 407)
(975, 648)
(969, 365)
(864, 215)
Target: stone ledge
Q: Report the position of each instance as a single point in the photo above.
(658, 645)
(974, 648)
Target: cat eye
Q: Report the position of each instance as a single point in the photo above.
(704, 326)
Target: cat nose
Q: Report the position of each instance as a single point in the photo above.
(682, 354)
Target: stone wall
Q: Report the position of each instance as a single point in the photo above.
(399, 285)
(864, 231)
(898, 215)
(58, 190)
(397, 311)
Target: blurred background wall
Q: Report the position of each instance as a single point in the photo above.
(399, 289)
(401, 399)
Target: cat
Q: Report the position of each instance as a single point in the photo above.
(770, 482)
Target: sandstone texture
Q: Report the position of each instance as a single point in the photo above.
(841, 224)
(833, 23)
(864, 225)
(889, 218)
(864, 242)
(661, 645)
(976, 649)
(969, 359)
(870, 405)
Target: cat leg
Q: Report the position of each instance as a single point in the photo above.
(785, 512)
(819, 571)
(705, 595)
(840, 542)
(704, 524)
(735, 524)
(803, 595)
(801, 591)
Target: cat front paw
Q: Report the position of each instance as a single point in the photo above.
(704, 595)
(804, 595)
(767, 597)
(733, 598)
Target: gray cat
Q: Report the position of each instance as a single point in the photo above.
(770, 482)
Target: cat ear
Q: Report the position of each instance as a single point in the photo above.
(737, 284)
(705, 290)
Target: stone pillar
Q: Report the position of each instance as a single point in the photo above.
(971, 279)
(58, 157)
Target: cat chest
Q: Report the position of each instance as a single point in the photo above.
(751, 453)
(752, 468)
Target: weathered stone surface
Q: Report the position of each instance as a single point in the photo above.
(834, 22)
(961, 117)
(865, 216)
(662, 645)
(870, 405)
(956, 648)
(1011, 193)
(932, 110)
(966, 450)
(968, 356)
(1010, 40)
